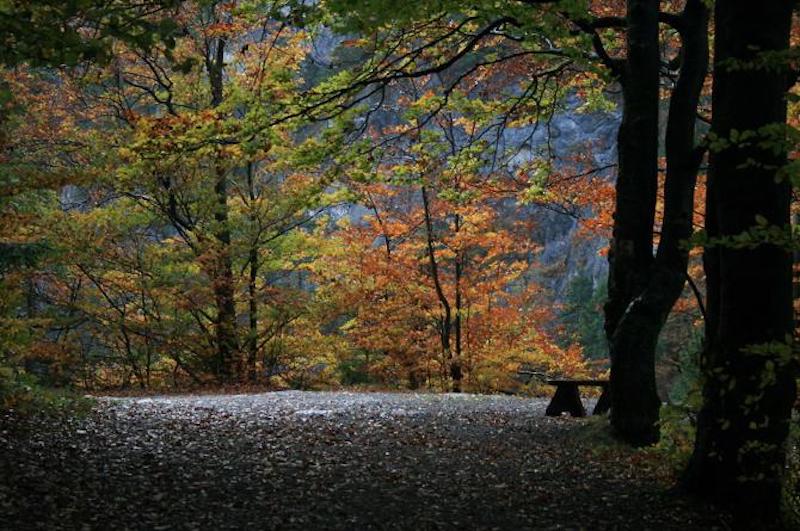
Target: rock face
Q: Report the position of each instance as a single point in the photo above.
(571, 131)
(566, 133)
(565, 254)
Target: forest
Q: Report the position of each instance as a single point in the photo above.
(342, 199)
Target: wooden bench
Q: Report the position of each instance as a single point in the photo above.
(568, 398)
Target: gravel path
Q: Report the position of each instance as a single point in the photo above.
(302, 460)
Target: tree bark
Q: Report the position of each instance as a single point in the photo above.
(635, 403)
(447, 318)
(739, 451)
(252, 285)
(455, 365)
(252, 337)
(223, 285)
(223, 282)
(633, 343)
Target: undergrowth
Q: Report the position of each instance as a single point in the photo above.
(596, 436)
(22, 396)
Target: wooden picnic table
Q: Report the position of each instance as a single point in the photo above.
(568, 398)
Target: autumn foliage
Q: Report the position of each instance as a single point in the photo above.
(210, 209)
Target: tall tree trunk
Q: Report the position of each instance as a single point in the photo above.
(635, 402)
(796, 273)
(455, 365)
(447, 318)
(223, 282)
(747, 397)
(252, 285)
(633, 343)
(252, 337)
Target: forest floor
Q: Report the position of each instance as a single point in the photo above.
(315, 460)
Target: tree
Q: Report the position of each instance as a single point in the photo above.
(642, 290)
(149, 134)
(67, 32)
(51, 34)
(205, 149)
(437, 274)
(582, 316)
(749, 361)
(642, 287)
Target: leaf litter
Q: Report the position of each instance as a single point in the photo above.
(325, 460)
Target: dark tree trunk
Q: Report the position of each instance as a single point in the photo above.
(447, 318)
(252, 337)
(413, 379)
(747, 397)
(634, 340)
(635, 403)
(252, 285)
(223, 282)
(455, 365)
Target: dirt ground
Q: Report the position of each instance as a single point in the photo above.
(312, 460)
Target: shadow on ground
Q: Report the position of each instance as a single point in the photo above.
(300, 460)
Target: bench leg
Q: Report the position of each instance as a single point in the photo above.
(603, 403)
(566, 398)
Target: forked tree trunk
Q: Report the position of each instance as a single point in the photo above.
(747, 396)
(635, 402)
(634, 339)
